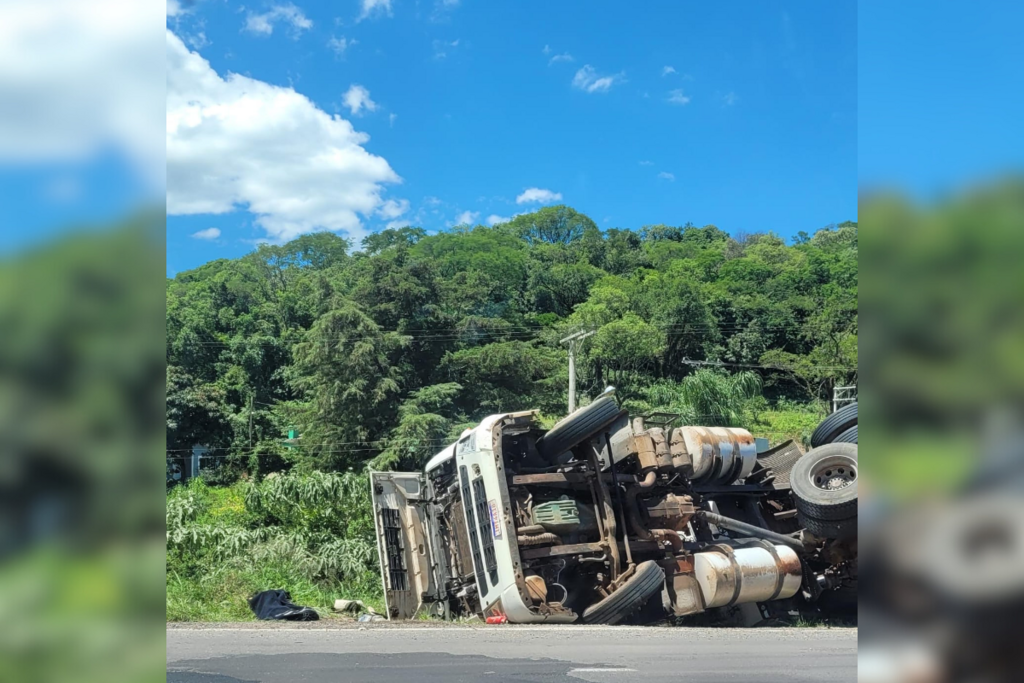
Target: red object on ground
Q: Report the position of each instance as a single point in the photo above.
(500, 619)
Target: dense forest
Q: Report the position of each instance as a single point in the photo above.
(382, 354)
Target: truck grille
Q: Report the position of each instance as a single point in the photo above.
(486, 532)
(474, 538)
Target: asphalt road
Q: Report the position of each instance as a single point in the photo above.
(529, 654)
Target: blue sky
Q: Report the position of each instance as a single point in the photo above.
(939, 96)
(475, 111)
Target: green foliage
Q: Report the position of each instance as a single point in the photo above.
(561, 225)
(717, 398)
(707, 397)
(360, 352)
(346, 368)
(311, 534)
(423, 427)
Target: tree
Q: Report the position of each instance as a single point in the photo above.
(552, 224)
(505, 376)
(376, 242)
(362, 351)
(196, 413)
(626, 349)
(424, 421)
(346, 373)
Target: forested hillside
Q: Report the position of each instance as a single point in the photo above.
(382, 352)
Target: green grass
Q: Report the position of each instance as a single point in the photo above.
(220, 551)
(907, 466)
(222, 594)
(782, 424)
(226, 504)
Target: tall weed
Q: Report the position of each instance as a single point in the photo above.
(309, 534)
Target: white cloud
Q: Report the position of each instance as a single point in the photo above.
(546, 50)
(564, 57)
(238, 143)
(647, 163)
(588, 80)
(263, 24)
(391, 119)
(442, 8)
(467, 218)
(432, 201)
(677, 97)
(79, 78)
(197, 41)
(340, 45)
(375, 8)
(357, 98)
(393, 208)
(208, 234)
(494, 219)
(730, 99)
(666, 70)
(441, 47)
(538, 195)
(665, 175)
(174, 8)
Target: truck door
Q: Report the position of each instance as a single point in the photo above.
(405, 531)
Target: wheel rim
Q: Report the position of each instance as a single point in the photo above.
(833, 473)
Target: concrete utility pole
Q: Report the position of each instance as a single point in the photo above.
(575, 341)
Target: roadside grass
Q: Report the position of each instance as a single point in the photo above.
(309, 535)
(786, 422)
(222, 595)
(909, 466)
(812, 621)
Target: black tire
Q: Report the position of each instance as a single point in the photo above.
(834, 425)
(849, 436)
(577, 427)
(829, 528)
(809, 482)
(630, 596)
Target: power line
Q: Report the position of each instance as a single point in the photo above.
(711, 363)
(688, 329)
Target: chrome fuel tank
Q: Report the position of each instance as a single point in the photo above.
(719, 455)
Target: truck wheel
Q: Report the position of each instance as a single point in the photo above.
(827, 528)
(824, 484)
(629, 597)
(577, 427)
(849, 436)
(834, 425)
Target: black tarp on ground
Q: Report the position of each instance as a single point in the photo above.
(277, 604)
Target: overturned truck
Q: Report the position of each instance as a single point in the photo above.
(606, 519)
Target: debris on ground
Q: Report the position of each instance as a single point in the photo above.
(278, 605)
(352, 607)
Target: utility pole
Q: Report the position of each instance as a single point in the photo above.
(575, 341)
